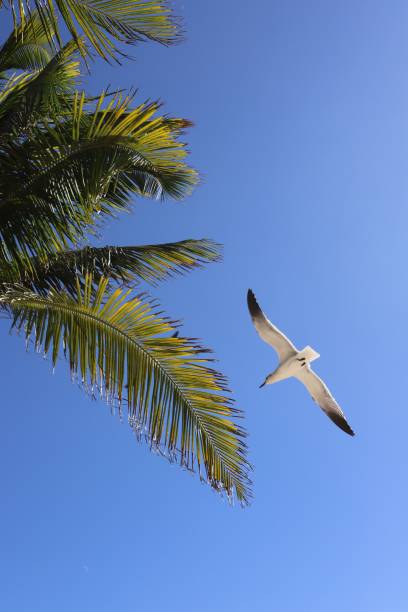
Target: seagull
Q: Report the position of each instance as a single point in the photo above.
(293, 362)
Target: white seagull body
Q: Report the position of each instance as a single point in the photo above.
(293, 362)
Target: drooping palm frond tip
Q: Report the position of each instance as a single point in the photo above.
(104, 22)
(121, 346)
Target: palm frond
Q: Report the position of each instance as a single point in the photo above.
(27, 47)
(136, 147)
(153, 156)
(39, 94)
(127, 265)
(104, 22)
(121, 347)
(78, 170)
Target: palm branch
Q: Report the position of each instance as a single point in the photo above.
(103, 22)
(27, 47)
(80, 168)
(127, 265)
(39, 94)
(120, 347)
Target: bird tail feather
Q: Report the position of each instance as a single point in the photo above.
(309, 353)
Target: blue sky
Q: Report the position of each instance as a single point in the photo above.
(301, 138)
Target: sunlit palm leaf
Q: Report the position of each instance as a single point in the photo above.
(39, 94)
(105, 21)
(119, 345)
(124, 265)
(78, 170)
(156, 166)
(27, 46)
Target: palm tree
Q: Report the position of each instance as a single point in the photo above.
(67, 162)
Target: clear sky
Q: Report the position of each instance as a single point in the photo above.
(301, 137)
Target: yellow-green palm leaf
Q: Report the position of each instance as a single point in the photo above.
(121, 347)
(27, 46)
(40, 94)
(103, 22)
(126, 265)
(82, 166)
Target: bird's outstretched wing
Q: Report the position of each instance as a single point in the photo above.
(268, 332)
(322, 396)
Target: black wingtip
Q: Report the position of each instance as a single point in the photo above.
(263, 384)
(253, 305)
(341, 422)
(347, 429)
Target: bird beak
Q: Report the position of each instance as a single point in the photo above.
(263, 384)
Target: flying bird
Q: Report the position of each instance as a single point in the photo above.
(293, 362)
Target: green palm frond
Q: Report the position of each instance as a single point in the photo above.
(104, 21)
(12, 91)
(125, 265)
(121, 346)
(27, 47)
(80, 169)
(39, 94)
(143, 146)
(149, 144)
